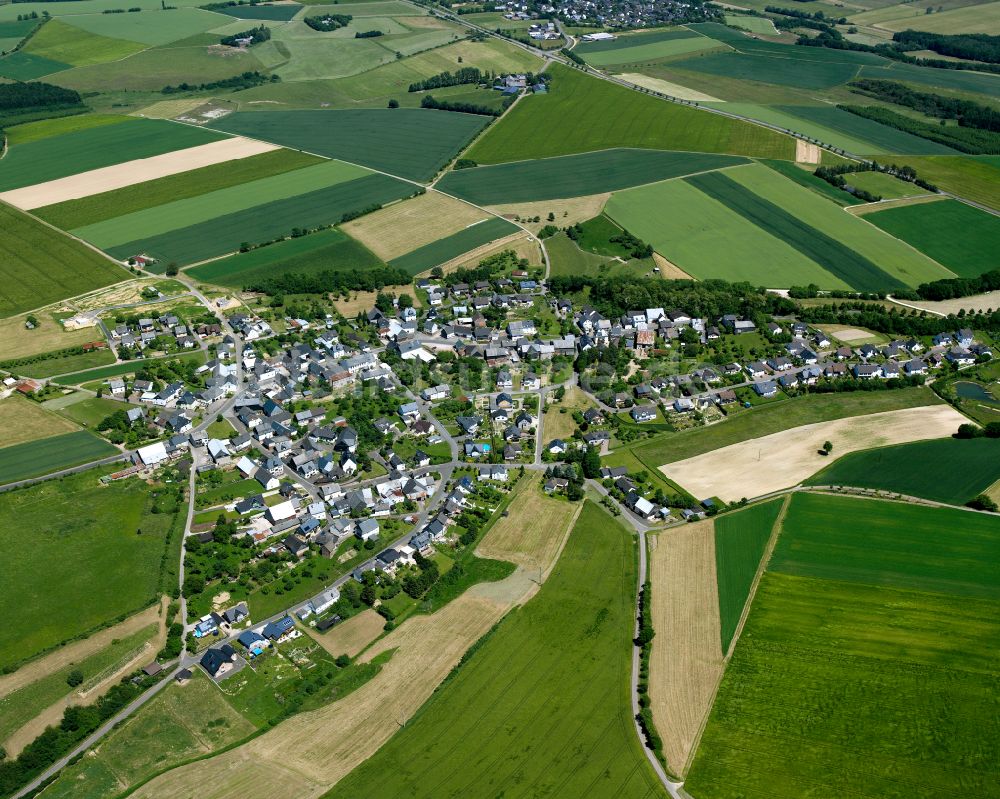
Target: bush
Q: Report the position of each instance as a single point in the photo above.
(74, 678)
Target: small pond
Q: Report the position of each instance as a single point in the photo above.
(973, 391)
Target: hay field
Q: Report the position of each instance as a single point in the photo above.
(16, 341)
(23, 420)
(562, 425)
(118, 176)
(762, 465)
(686, 662)
(350, 637)
(534, 531)
(302, 757)
(408, 225)
(668, 88)
(523, 244)
(567, 211)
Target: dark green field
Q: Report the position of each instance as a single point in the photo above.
(810, 181)
(606, 115)
(34, 458)
(624, 42)
(151, 193)
(72, 153)
(867, 665)
(39, 265)
(542, 707)
(956, 235)
(740, 540)
(328, 249)
(225, 234)
(443, 250)
(946, 470)
(413, 143)
(26, 66)
(129, 367)
(771, 69)
(576, 175)
(838, 259)
(887, 139)
(281, 13)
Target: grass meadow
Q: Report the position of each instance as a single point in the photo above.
(39, 265)
(740, 541)
(866, 666)
(807, 179)
(150, 27)
(883, 138)
(643, 47)
(62, 42)
(976, 179)
(51, 367)
(21, 66)
(444, 250)
(24, 420)
(72, 543)
(963, 238)
(413, 143)
(328, 249)
(34, 458)
(607, 115)
(542, 701)
(946, 470)
(173, 188)
(47, 128)
(129, 367)
(576, 175)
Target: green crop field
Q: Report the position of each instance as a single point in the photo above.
(410, 142)
(901, 262)
(82, 150)
(774, 418)
(224, 234)
(954, 79)
(443, 250)
(61, 42)
(885, 186)
(47, 128)
(151, 193)
(884, 138)
(606, 115)
(977, 179)
(806, 178)
(866, 665)
(835, 257)
(62, 8)
(45, 455)
(316, 56)
(23, 66)
(39, 265)
(963, 238)
(576, 175)
(328, 249)
(752, 24)
(69, 363)
(149, 27)
(643, 47)
(701, 236)
(790, 72)
(182, 213)
(91, 411)
(946, 470)
(281, 13)
(542, 702)
(740, 541)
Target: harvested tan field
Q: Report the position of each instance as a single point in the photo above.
(127, 293)
(23, 420)
(666, 87)
(17, 341)
(686, 661)
(168, 109)
(534, 530)
(806, 153)
(977, 302)
(76, 651)
(351, 636)
(303, 757)
(118, 176)
(762, 465)
(51, 715)
(567, 212)
(406, 226)
(852, 335)
(867, 208)
(524, 245)
(668, 270)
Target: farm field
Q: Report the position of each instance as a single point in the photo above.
(980, 18)
(20, 66)
(946, 470)
(409, 225)
(667, 87)
(277, 13)
(39, 265)
(508, 729)
(51, 454)
(125, 368)
(65, 43)
(82, 150)
(784, 117)
(95, 566)
(223, 235)
(851, 631)
(886, 186)
(741, 539)
(66, 7)
(630, 49)
(686, 662)
(327, 249)
(23, 420)
(607, 115)
(181, 723)
(806, 178)
(729, 472)
(977, 179)
(455, 245)
(963, 238)
(351, 636)
(162, 28)
(91, 411)
(51, 367)
(417, 144)
(791, 72)
(27, 132)
(752, 24)
(576, 175)
(16, 341)
(85, 211)
(774, 418)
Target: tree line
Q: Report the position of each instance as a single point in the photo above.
(328, 22)
(245, 80)
(256, 35)
(955, 287)
(974, 46)
(973, 141)
(969, 113)
(894, 322)
(464, 108)
(16, 96)
(460, 77)
(332, 280)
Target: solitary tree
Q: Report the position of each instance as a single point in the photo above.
(827, 447)
(74, 678)
(172, 269)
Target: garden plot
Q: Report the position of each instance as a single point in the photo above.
(129, 173)
(762, 465)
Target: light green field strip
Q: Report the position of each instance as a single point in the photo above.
(10, 11)
(708, 240)
(62, 42)
(890, 254)
(775, 117)
(183, 213)
(8, 44)
(149, 27)
(651, 52)
(972, 19)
